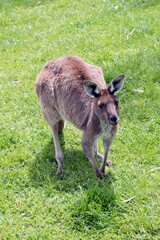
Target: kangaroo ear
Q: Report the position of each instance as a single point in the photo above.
(92, 89)
(116, 84)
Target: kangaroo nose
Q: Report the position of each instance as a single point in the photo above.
(113, 120)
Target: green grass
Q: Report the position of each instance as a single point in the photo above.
(122, 37)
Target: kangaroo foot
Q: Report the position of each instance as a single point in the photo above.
(59, 173)
(110, 164)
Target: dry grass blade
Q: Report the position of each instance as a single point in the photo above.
(138, 90)
(129, 199)
(155, 169)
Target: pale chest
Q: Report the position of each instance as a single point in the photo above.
(107, 131)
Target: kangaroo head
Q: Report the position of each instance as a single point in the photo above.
(106, 103)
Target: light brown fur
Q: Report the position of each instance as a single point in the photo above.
(62, 96)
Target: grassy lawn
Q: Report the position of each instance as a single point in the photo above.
(122, 37)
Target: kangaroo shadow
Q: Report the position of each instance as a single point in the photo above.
(77, 170)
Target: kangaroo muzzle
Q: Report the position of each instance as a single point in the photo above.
(114, 120)
(113, 117)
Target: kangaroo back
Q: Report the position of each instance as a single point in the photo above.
(61, 85)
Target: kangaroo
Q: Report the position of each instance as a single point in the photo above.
(70, 89)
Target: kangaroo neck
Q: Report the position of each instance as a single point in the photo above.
(93, 121)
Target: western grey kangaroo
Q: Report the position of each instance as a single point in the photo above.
(70, 89)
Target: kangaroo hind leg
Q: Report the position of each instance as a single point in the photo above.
(61, 125)
(58, 151)
(54, 120)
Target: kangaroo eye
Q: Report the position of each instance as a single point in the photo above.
(102, 105)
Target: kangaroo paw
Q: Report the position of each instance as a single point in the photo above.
(99, 175)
